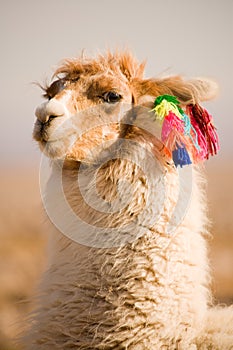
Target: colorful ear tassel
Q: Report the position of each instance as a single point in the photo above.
(188, 135)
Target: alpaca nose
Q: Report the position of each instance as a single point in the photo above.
(49, 110)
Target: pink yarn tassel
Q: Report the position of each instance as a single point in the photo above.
(172, 126)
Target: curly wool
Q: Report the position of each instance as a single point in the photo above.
(146, 295)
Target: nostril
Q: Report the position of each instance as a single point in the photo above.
(50, 110)
(51, 117)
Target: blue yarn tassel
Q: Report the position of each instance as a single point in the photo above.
(180, 156)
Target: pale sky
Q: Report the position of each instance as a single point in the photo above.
(193, 38)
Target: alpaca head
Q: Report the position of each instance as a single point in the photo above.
(87, 93)
(98, 112)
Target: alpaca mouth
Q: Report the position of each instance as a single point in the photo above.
(40, 132)
(41, 136)
(53, 145)
(46, 133)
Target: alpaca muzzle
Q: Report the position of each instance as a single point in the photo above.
(50, 110)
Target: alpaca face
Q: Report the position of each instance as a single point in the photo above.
(82, 108)
(71, 100)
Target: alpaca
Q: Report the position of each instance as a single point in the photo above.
(116, 278)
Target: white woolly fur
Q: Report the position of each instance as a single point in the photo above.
(149, 294)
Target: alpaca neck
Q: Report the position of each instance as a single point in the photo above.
(117, 201)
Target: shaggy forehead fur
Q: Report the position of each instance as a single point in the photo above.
(119, 63)
(124, 67)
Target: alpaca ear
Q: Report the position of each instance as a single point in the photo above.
(187, 91)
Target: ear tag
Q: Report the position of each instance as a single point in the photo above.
(190, 136)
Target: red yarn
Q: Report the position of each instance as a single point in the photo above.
(202, 121)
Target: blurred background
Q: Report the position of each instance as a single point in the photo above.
(193, 38)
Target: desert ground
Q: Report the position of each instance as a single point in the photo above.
(23, 242)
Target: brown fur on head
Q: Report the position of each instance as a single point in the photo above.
(83, 83)
(126, 67)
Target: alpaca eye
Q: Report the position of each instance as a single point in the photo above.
(111, 97)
